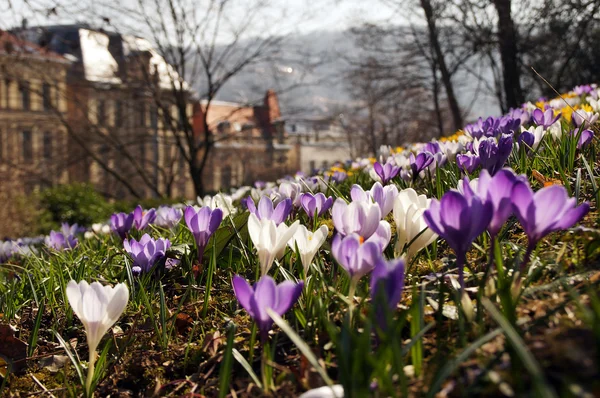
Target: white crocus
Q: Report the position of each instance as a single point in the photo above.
(335, 391)
(270, 240)
(308, 243)
(538, 133)
(219, 201)
(98, 307)
(408, 215)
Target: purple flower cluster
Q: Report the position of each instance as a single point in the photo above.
(146, 253)
(460, 217)
(63, 240)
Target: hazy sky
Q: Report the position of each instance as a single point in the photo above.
(305, 15)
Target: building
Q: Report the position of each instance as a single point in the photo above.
(129, 115)
(321, 142)
(250, 143)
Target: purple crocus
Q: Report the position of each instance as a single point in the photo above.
(266, 211)
(146, 253)
(355, 255)
(420, 162)
(362, 219)
(548, 210)
(497, 190)
(141, 218)
(202, 223)
(7, 248)
(544, 118)
(459, 219)
(387, 171)
(383, 196)
(526, 137)
(167, 216)
(59, 241)
(585, 138)
(266, 294)
(468, 162)
(121, 223)
(315, 204)
(493, 154)
(387, 282)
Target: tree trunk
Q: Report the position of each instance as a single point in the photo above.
(441, 62)
(507, 41)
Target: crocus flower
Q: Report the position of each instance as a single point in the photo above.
(410, 224)
(359, 217)
(581, 116)
(167, 216)
(6, 250)
(420, 162)
(468, 162)
(202, 223)
(265, 210)
(142, 218)
(317, 203)
(266, 294)
(548, 210)
(527, 138)
(544, 118)
(121, 223)
(382, 196)
(58, 241)
(288, 189)
(387, 282)
(494, 154)
(537, 132)
(146, 252)
(308, 243)
(335, 391)
(459, 219)
(98, 307)
(358, 258)
(386, 172)
(495, 189)
(585, 138)
(269, 239)
(219, 201)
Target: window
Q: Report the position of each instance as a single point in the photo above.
(101, 112)
(118, 113)
(142, 115)
(142, 152)
(25, 96)
(312, 166)
(46, 97)
(27, 143)
(154, 117)
(225, 177)
(7, 84)
(47, 145)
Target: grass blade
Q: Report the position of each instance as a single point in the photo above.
(302, 346)
(517, 342)
(240, 358)
(227, 364)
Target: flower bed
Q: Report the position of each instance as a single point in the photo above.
(452, 267)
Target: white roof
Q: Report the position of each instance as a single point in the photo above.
(98, 63)
(166, 73)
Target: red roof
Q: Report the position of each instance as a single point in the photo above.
(13, 45)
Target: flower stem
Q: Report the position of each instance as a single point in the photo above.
(90, 374)
(351, 292)
(527, 256)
